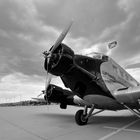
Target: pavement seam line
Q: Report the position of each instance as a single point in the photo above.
(116, 128)
(119, 130)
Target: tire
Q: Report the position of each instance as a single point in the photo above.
(80, 118)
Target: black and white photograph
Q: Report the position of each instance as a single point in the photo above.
(69, 69)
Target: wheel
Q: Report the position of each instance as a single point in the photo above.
(80, 118)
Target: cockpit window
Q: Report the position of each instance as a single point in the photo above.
(98, 56)
(105, 58)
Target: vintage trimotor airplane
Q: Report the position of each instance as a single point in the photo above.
(96, 82)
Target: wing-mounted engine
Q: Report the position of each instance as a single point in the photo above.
(60, 61)
(56, 94)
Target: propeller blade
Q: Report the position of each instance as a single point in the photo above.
(57, 43)
(40, 94)
(62, 36)
(47, 83)
(48, 80)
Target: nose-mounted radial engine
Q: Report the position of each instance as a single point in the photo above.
(58, 61)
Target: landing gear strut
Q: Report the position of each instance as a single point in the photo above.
(82, 116)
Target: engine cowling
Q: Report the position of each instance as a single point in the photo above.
(61, 60)
(56, 94)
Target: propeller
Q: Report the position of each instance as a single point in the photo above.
(58, 42)
(47, 83)
(48, 55)
(62, 36)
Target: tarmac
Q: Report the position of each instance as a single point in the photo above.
(52, 123)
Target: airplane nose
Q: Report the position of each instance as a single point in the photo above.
(52, 61)
(60, 61)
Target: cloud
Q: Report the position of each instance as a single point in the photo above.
(129, 5)
(136, 65)
(127, 41)
(90, 17)
(135, 72)
(22, 36)
(18, 84)
(99, 48)
(28, 27)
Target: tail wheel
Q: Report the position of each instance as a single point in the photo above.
(80, 118)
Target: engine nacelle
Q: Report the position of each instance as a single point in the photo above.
(61, 60)
(56, 94)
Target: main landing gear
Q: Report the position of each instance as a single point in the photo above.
(82, 116)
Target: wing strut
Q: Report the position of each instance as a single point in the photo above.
(132, 110)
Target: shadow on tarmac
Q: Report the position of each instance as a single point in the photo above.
(111, 119)
(95, 120)
(69, 118)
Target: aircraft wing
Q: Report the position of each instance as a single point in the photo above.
(64, 97)
(128, 95)
(39, 99)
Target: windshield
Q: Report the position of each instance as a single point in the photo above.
(98, 56)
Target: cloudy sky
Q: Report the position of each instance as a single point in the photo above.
(29, 27)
